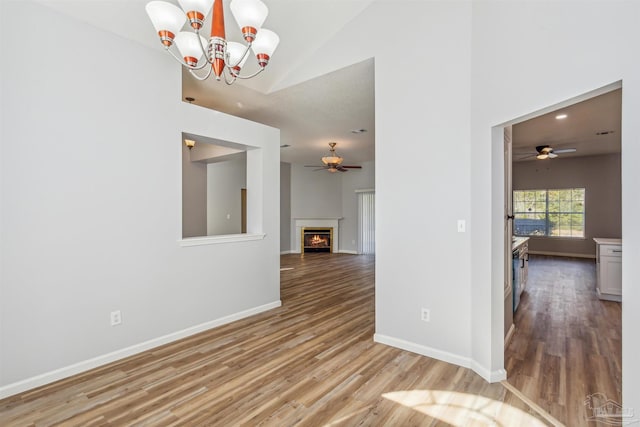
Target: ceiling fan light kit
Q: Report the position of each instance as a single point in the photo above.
(333, 162)
(546, 152)
(332, 159)
(226, 58)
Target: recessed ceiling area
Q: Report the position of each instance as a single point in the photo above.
(592, 127)
(309, 114)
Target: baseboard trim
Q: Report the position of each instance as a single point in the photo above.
(608, 297)
(445, 356)
(489, 376)
(563, 254)
(77, 368)
(286, 252)
(345, 251)
(434, 353)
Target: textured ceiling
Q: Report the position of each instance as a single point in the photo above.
(309, 115)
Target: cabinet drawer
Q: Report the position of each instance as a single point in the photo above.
(610, 250)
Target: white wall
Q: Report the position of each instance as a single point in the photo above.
(527, 56)
(471, 66)
(315, 194)
(285, 207)
(423, 184)
(91, 203)
(194, 194)
(475, 65)
(224, 204)
(319, 194)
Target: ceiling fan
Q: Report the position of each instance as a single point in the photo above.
(547, 152)
(332, 162)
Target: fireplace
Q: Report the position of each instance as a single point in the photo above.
(316, 239)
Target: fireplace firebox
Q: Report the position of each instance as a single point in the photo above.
(316, 239)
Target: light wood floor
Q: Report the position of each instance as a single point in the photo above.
(567, 343)
(311, 362)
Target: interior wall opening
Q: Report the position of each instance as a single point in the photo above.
(214, 187)
(557, 208)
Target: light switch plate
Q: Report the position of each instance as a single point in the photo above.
(462, 226)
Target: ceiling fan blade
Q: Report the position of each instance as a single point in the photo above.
(552, 155)
(313, 166)
(352, 167)
(522, 156)
(565, 150)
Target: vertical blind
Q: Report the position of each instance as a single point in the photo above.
(367, 223)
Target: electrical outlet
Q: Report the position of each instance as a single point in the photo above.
(461, 226)
(116, 318)
(425, 315)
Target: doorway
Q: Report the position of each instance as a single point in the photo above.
(546, 355)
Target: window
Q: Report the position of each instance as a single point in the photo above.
(552, 213)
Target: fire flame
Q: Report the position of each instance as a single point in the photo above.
(317, 240)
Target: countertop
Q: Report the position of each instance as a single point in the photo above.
(607, 241)
(518, 241)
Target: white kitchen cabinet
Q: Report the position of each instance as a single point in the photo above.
(609, 268)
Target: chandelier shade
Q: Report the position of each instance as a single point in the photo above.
(190, 46)
(237, 55)
(332, 160)
(265, 43)
(226, 58)
(196, 11)
(167, 19)
(249, 15)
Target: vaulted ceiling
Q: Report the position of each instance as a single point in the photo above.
(328, 108)
(310, 114)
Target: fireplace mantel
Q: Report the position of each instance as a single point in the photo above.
(317, 219)
(300, 223)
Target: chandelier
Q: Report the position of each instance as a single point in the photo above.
(225, 57)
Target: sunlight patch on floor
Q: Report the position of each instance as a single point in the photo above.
(463, 409)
